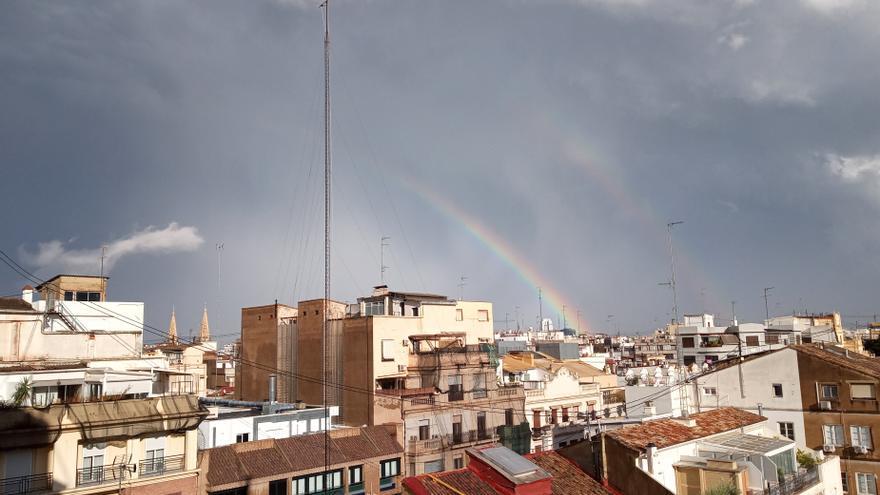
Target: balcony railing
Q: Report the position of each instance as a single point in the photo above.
(795, 484)
(21, 485)
(387, 483)
(161, 465)
(356, 488)
(96, 475)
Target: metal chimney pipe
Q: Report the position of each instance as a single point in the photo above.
(273, 379)
(650, 452)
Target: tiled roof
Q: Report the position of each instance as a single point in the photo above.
(854, 361)
(666, 432)
(568, 479)
(15, 304)
(241, 462)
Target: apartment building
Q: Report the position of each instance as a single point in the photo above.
(563, 398)
(365, 460)
(700, 342)
(841, 414)
(725, 447)
(423, 360)
(268, 338)
(135, 446)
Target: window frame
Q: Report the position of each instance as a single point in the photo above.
(786, 429)
(870, 489)
(781, 392)
(872, 388)
(833, 427)
(858, 434)
(833, 386)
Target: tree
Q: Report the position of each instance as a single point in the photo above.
(723, 489)
(22, 392)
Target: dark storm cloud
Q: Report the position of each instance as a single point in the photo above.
(574, 129)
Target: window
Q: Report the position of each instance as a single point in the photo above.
(424, 429)
(833, 435)
(387, 471)
(459, 315)
(777, 390)
(689, 360)
(356, 480)
(861, 435)
(786, 430)
(479, 390)
(554, 415)
(862, 391)
(92, 464)
(458, 462)
(829, 391)
(314, 483)
(508, 417)
(387, 350)
(455, 390)
(154, 461)
(481, 426)
(866, 483)
(456, 429)
(85, 296)
(565, 415)
(243, 437)
(434, 466)
(482, 315)
(710, 391)
(687, 341)
(278, 487)
(752, 340)
(772, 339)
(68, 295)
(95, 390)
(536, 418)
(844, 481)
(374, 308)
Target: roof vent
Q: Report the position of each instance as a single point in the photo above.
(689, 422)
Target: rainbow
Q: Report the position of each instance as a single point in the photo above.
(531, 275)
(576, 152)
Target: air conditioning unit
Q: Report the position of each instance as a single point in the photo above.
(828, 449)
(825, 405)
(401, 368)
(860, 449)
(404, 342)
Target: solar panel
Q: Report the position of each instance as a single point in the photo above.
(511, 462)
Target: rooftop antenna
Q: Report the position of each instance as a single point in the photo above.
(766, 305)
(564, 322)
(382, 245)
(733, 313)
(219, 250)
(516, 315)
(103, 284)
(462, 281)
(578, 326)
(672, 268)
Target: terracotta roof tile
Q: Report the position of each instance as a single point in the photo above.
(15, 304)
(567, 477)
(854, 361)
(241, 462)
(666, 432)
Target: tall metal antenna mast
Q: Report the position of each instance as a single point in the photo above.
(672, 267)
(219, 250)
(327, 162)
(540, 310)
(766, 304)
(461, 283)
(382, 245)
(103, 284)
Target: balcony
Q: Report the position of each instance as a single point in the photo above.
(21, 485)
(792, 485)
(162, 465)
(98, 475)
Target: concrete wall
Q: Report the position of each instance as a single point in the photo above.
(259, 343)
(758, 377)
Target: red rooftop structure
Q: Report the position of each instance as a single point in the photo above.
(498, 470)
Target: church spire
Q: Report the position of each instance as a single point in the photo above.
(172, 327)
(204, 330)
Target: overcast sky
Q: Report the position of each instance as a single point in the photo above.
(514, 143)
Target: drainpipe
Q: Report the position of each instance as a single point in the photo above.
(650, 452)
